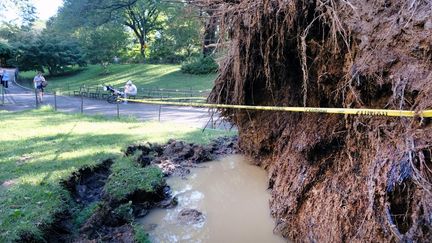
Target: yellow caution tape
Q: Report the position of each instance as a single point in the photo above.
(346, 111)
(177, 98)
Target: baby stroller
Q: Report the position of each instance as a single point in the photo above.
(115, 96)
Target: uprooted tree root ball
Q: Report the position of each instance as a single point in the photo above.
(333, 177)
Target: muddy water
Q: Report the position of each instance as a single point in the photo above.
(230, 193)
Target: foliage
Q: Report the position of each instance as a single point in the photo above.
(179, 39)
(202, 65)
(48, 53)
(143, 76)
(140, 235)
(103, 43)
(25, 8)
(142, 17)
(163, 31)
(6, 52)
(125, 211)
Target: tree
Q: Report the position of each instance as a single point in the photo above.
(6, 52)
(25, 8)
(140, 16)
(48, 53)
(179, 37)
(103, 43)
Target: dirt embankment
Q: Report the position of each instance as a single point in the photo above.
(335, 178)
(106, 218)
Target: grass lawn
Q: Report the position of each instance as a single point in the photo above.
(143, 75)
(40, 148)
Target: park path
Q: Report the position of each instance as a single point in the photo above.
(18, 98)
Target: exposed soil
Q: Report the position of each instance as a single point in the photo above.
(335, 178)
(86, 185)
(111, 221)
(177, 157)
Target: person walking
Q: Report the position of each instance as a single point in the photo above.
(39, 84)
(129, 90)
(1, 76)
(5, 79)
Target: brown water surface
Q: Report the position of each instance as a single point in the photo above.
(232, 195)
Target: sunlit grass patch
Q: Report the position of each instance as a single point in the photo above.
(143, 75)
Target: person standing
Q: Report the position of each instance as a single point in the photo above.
(38, 82)
(129, 90)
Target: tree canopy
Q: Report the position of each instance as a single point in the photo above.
(96, 31)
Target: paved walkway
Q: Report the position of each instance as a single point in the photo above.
(20, 98)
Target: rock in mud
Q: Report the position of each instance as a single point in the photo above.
(168, 203)
(190, 216)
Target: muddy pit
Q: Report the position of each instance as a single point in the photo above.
(109, 223)
(227, 201)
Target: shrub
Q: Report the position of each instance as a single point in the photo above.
(202, 65)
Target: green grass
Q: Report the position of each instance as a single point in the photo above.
(40, 148)
(143, 75)
(127, 177)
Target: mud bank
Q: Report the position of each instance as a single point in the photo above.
(177, 157)
(97, 214)
(335, 178)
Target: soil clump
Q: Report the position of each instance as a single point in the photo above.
(177, 157)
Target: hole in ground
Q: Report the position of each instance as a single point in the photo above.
(86, 185)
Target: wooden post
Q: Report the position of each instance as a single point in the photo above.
(82, 104)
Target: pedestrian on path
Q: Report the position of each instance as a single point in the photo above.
(5, 79)
(1, 76)
(39, 84)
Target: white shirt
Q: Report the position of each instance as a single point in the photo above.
(38, 79)
(131, 89)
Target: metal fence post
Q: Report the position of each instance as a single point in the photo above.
(2, 91)
(160, 110)
(37, 100)
(118, 110)
(82, 104)
(55, 100)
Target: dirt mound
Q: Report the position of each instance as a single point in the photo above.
(334, 178)
(176, 157)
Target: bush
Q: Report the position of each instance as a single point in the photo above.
(202, 65)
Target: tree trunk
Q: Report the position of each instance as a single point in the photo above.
(142, 50)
